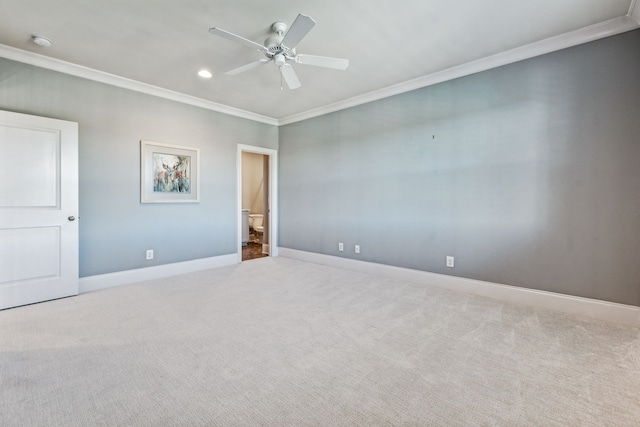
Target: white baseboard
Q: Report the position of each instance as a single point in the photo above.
(595, 309)
(103, 281)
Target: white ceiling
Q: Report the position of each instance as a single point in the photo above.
(392, 45)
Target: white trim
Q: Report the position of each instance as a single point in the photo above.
(619, 25)
(273, 196)
(552, 44)
(103, 281)
(596, 309)
(125, 83)
(634, 11)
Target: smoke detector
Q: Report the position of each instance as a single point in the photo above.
(41, 41)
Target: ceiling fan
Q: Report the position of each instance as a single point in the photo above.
(281, 48)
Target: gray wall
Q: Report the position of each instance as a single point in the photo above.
(115, 229)
(528, 174)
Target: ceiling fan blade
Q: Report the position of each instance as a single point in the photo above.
(300, 27)
(247, 67)
(323, 61)
(290, 76)
(230, 36)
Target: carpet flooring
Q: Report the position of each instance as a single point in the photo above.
(279, 342)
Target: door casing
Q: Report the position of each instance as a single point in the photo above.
(273, 196)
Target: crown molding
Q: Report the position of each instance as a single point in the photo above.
(49, 63)
(552, 44)
(629, 22)
(634, 11)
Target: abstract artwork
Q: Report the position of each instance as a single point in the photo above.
(171, 173)
(168, 173)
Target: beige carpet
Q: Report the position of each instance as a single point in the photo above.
(279, 342)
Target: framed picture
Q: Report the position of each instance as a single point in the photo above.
(169, 173)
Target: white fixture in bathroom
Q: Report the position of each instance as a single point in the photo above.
(256, 222)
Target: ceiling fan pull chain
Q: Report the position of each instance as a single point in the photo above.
(281, 78)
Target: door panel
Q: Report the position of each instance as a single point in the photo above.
(31, 166)
(38, 207)
(30, 253)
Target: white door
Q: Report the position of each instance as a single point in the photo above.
(38, 209)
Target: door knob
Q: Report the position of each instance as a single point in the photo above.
(72, 218)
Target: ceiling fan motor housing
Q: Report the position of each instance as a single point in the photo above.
(272, 43)
(280, 54)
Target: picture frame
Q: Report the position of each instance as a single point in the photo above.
(169, 173)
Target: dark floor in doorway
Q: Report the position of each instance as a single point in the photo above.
(253, 250)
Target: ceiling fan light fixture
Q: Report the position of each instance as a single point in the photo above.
(41, 41)
(205, 74)
(280, 47)
(279, 59)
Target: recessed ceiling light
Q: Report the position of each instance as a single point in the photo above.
(41, 41)
(205, 74)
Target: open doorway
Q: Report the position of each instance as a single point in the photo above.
(256, 201)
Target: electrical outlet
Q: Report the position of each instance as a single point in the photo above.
(450, 261)
(341, 246)
(149, 253)
(357, 249)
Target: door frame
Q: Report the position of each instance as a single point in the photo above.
(273, 196)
